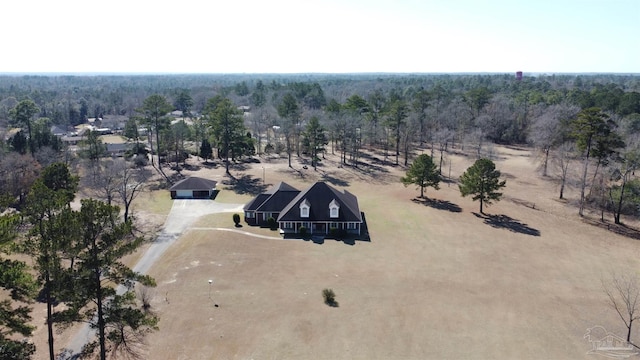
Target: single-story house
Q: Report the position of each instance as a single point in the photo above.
(118, 149)
(61, 130)
(114, 122)
(269, 204)
(193, 188)
(73, 140)
(318, 209)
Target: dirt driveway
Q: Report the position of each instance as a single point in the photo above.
(183, 214)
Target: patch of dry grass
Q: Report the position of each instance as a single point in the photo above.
(157, 202)
(113, 139)
(225, 221)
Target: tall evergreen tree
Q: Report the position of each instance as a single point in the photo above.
(482, 181)
(46, 242)
(154, 110)
(396, 119)
(98, 271)
(23, 113)
(423, 173)
(205, 150)
(593, 131)
(289, 111)
(14, 311)
(314, 139)
(227, 126)
(184, 102)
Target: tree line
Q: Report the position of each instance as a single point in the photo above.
(77, 262)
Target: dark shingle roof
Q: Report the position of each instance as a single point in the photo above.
(256, 201)
(319, 196)
(194, 183)
(274, 199)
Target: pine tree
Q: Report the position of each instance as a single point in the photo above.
(103, 286)
(15, 312)
(482, 180)
(205, 150)
(227, 126)
(315, 139)
(423, 173)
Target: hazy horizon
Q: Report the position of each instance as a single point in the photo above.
(329, 37)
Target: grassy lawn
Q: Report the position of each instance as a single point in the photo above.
(113, 139)
(156, 202)
(436, 281)
(225, 221)
(228, 196)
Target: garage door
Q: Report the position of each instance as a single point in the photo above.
(184, 194)
(201, 194)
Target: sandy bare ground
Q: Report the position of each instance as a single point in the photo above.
(436, 281)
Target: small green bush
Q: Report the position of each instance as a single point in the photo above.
(333, 232)
(337, 233)
(302, 230)
(272, 223)
(236, 219)
(329, 297)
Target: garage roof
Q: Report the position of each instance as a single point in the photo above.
(194, 183)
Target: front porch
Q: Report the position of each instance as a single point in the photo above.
(318, 228)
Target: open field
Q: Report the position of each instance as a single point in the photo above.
(436, 281)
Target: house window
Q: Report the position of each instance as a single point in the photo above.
(287, 225)
(248, 214)
(334, 209)
(351, 226)
(304, 208)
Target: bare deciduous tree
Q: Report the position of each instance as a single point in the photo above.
(131, 183)
(562, 159)
(624, 297)
(103, 179)
(549, 130)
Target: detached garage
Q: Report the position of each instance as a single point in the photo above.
(193, 188)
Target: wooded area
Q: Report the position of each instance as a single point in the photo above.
(306, 114)
(593, 119)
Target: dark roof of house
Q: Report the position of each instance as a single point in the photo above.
(274, 199)
(60, 130)
(194, 183)
(119, 147)
(319, 196)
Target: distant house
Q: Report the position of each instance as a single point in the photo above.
(318, 209)
(115, 123)
(193, 188)
(61, 130)
(73, 140)
(118, 149)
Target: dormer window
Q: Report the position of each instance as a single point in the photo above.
(334, 209)
(304, 208)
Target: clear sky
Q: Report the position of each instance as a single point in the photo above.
(332, 36)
